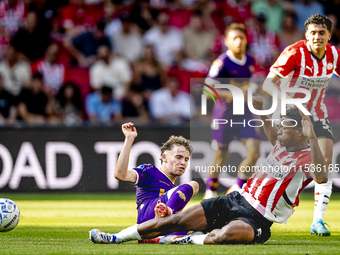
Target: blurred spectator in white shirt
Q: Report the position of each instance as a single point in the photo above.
(127, 42)
(167, 41)
(15, 73)
(114, 71)
(170, 105)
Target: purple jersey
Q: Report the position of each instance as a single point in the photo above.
(151, 183)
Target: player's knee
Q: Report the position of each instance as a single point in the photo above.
(195, 187)
(238, 233)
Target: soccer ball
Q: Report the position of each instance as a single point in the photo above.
(9, 215)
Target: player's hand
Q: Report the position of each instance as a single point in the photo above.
(258, 103)
(129, 130)
(307, 126)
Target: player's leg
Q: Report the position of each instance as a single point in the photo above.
(176, 199)
(322, 192)
(253, 152)
(221, 155)
(191, 219)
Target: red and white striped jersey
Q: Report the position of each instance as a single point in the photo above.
(303, 69)
(274, 188)
(12, 18)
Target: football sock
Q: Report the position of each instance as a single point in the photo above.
(198, 239)
(322, 194)
(240, 182)
(128, 234)
(212, 184)
(180, 197)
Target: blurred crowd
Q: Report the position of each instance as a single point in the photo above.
(102, 62)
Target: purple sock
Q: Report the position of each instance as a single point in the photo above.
(240, 182)
(212, 184)
(180, 197)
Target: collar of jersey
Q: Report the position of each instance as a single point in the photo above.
(161, 170)
(235, 60)
(311, 52)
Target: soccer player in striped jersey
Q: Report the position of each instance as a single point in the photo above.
(245, 217)
(310, 64)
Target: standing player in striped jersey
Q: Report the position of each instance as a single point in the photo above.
(310, 64)
(270, 195)
(237, 67)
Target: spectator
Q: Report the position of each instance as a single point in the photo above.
(290, 34)
(113, 25)
(273, 11)
(197, 40)
(35, 106)
(127, 43)
(84, 47)
(12, 15)
(15, 73)
(69, 104)
(4, 40)
(30, 41)
(335, 39)
(7, 106)
(143, 14)
(263, 45)
(135, 106)
(304, 9)
(53, 72)
(167, 42)
(111, 70)
(149, 73)
(169, 105)
(78, 17)
(102, 108)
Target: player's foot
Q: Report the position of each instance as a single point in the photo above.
(153, 240)
(176, 239)
(209, 194)
(234, 187)
(318, 228)
(161, 210)
(97, 236)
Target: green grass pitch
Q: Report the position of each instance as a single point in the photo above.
(59, 224)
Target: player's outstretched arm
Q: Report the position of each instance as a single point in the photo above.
(121, 171)
(318, 170)
(270, 84)
(269, 127)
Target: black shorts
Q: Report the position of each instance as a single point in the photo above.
(224, 209)
(323, 129)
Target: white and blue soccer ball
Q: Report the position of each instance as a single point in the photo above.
(9, 215)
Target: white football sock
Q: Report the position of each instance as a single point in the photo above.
(198, 239)
(322, 194)
(128, 234)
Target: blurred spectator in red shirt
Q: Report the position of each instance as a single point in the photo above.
(15, 73)
(290, 33)
(12, 15)
(263, 46)
(53, 72)
(78, 17)
(31, 41)
(84, 47)
(4, 40)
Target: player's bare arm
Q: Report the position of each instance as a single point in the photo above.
(269, 127)
(121, 172)
(271, 83)
(317, 156)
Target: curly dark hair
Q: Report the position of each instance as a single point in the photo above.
(319, 20)
(294, 114)
(178, 141)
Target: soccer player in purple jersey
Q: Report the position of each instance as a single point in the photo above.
(157, 195)
(238, 68)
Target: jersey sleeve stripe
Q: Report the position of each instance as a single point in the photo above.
(276, 72)
(137, 180)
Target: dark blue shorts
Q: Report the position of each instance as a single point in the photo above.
(224, 209)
